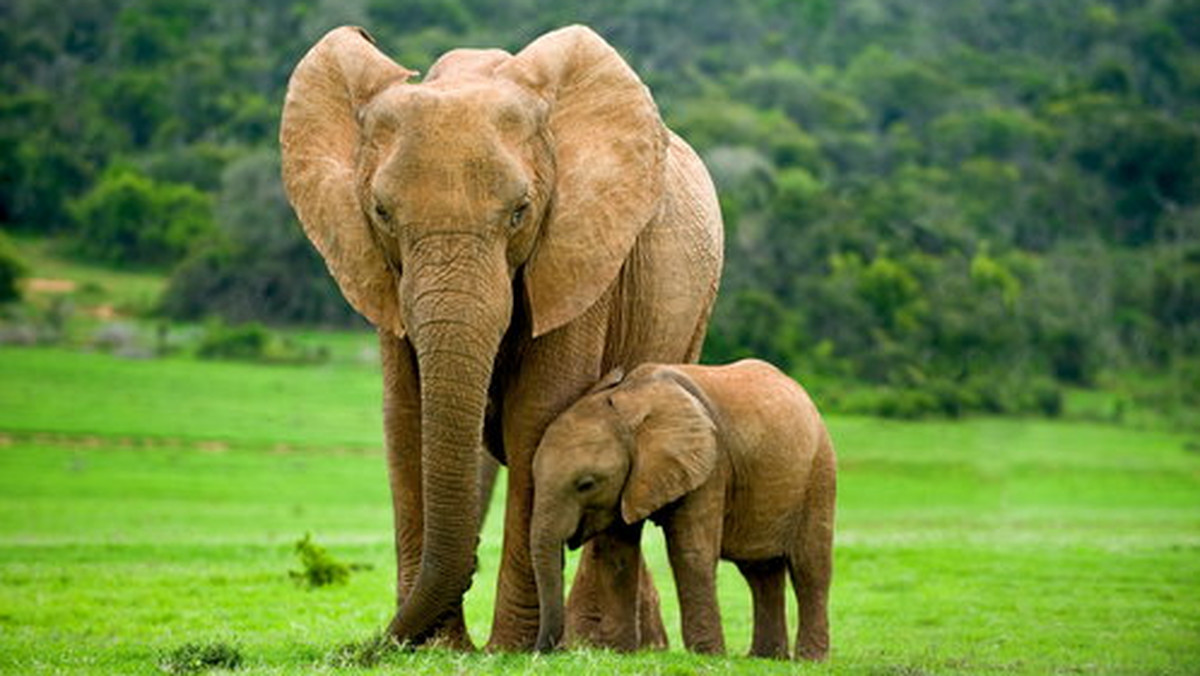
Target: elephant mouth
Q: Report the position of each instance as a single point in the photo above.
(576, 540)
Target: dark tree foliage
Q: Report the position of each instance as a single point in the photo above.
(128, 218)
(262, 268)
(12, 269)
(925, 196)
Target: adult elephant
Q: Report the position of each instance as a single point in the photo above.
(514, 226)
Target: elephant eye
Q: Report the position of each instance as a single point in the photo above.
(382, 212)
(518, 215)
(585, 484)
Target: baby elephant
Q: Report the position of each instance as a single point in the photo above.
(732, 461)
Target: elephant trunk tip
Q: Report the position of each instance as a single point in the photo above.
(548, 640)
(548, 570)
(432, 610)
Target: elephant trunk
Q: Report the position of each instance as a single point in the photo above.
(546, 552)
(456, 334)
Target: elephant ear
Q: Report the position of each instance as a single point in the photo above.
(610, 150)
(675, 446)
(319, 139)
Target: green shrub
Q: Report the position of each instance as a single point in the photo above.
(254, 342)
(246, 342)
(12, 269)
(321, 569)
(908, 404)
(1045, 397)
(129, 218)
(943, 397)
(953, 398)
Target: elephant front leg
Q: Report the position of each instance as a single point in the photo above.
(402, 435)
(693, 534)
(552, 372)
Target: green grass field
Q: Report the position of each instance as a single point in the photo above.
(145, 505)
(92, 285)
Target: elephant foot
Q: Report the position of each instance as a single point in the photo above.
(587, 627)
(449, 633)
(590, 627)
(815, 651)
(512, 634)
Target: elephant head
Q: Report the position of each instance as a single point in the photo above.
(617, 455)
(499, 181)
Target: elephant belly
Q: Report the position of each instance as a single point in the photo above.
(762, 517)
(756, 539)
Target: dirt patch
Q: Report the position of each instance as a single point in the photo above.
(56, 286)
(104, 312)
(212, 446)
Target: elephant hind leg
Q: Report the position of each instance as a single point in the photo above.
(591, 612)
(811, 581)
(652, 632)
(766, 580)
(810, 560)
(608, 606)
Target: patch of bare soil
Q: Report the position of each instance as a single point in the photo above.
(54, 286)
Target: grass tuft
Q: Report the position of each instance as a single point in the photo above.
(194, 658)
(361, 654)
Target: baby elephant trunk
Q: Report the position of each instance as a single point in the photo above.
(546, 551)
(548, 571)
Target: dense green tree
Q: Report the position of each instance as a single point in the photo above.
(130, 218)
(262, 268)
(943, 200)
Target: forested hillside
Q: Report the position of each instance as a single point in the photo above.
(962, 205)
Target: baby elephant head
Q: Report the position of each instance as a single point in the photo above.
(623, 451)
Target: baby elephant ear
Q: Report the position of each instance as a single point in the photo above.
(675, 450)
(610, 149)
(610, 379)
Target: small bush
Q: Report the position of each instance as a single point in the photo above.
(1044, 397)
(321, 569)
(246, 342)
(12, 269)
(193, 658)
(254, 342)
(940, 397)
(908, 404)
(954, 399)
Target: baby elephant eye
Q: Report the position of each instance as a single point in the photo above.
(585, 484)
(518, 215)
(382, 212)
